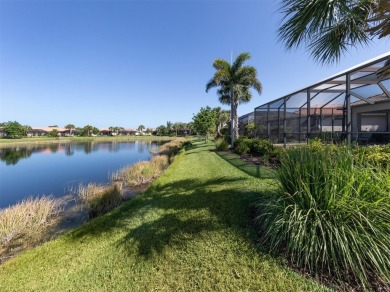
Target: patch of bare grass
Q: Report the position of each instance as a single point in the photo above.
(27, 222)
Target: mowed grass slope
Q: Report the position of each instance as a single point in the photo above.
(190, 231)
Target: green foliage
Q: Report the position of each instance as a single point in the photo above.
(87, 131)
(235, 79)
(13, 129)
(204, 122)
(316, 144)
(221, 144)
(53, 133)
(161, 131)
(331, 215)
(259, 147)
(379, 154)
(328, 28)
(242, 145)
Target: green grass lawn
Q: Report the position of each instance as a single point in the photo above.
(190, 231)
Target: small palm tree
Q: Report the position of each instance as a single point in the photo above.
(235, 81)
(222, 117)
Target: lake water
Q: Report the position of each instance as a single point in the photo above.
(52, 169)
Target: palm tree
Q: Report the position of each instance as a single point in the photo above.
(329, 28)
(88, 129)
(141, 128)
(70, 127)
(222, 117)
(235, 81)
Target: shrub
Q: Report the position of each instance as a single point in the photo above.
(221, 144)
(27, 222)
(262, 147)
(242, 145)
(331, 215)
(99, 198)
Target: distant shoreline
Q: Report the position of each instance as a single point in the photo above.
(43, 140)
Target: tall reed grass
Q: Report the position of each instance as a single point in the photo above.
(27, 222)
(103, 198)
(173, 147)
(142, 172)
(100, 199)
(331, 215)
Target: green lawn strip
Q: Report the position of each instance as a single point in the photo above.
(190, 231)
(253, 170)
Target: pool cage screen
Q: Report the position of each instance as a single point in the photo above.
(351, 106)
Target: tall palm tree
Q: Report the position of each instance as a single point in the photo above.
(235, 81)
(330, 28)
(70, 127)
(141, 128)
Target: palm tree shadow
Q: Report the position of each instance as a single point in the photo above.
(169, 230)
(256, 171)
(229, 208)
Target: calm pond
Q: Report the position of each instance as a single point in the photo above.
(53, 169)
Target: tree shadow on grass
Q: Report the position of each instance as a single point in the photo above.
(257, 171)
(169, 230)
(182, 205)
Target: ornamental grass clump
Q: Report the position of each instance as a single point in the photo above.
(173, 147)
(100, 199)
(143, 172)
(27, 222)
(331, 215)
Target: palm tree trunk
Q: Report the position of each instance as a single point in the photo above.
(235, 119)
(232, 116)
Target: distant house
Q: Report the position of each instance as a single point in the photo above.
(43, 131)
(129, 131)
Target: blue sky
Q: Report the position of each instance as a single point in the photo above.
(126, 63)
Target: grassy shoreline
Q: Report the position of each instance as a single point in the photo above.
(47, 140)
(191, 230)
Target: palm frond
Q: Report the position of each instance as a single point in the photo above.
(221, 64)
(328, 27)
(210, 84)
(239, 61)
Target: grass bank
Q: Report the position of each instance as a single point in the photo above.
(190, 231)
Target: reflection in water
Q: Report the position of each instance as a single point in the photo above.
(11, 156)
(69, 150)
(52, 169)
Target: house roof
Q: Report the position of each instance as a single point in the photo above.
(375, 99)
(48, 129)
